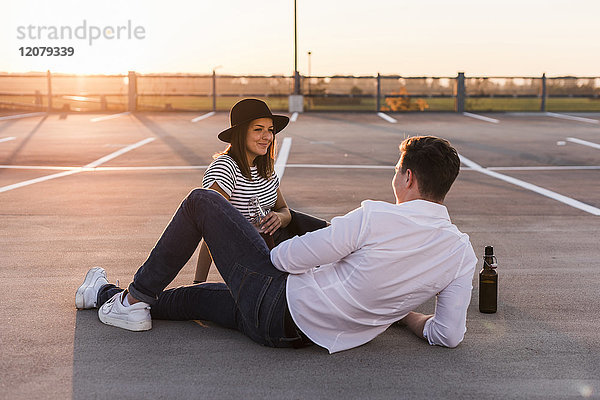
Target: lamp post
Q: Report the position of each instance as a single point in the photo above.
(296, 75)
(214, 87)
(295, 100)
(309, 73)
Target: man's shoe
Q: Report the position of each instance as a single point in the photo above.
(86, 294)
(135, 317)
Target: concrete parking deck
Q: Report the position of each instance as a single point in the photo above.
(542, 343)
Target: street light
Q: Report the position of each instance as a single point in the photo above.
(309, 74)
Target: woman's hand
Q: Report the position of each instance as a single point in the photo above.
(271, 222)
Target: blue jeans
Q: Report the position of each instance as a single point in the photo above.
(252, 299)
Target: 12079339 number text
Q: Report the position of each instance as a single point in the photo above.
(46, 51)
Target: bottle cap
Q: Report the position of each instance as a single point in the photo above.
(489, 250)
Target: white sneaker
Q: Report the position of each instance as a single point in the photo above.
(86, 294)
(135, 317)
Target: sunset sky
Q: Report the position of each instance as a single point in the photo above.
(411, 38)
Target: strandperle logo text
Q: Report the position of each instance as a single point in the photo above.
(85, 31)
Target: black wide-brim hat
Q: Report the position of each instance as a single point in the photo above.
(250, 109)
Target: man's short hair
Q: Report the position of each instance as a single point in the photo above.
(434, 162)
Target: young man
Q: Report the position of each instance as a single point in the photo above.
(377, 264)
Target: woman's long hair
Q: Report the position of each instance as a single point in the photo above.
(237, 151)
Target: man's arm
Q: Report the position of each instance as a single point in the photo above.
(416, 322)
(302, 253)
(447, 326)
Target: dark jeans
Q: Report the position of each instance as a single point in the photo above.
(252, 299)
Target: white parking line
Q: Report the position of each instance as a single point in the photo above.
(204, 116)
(119, 152)
(549, 168)
(113, 116)
(544, 192)
(387, 118)
(294, 117)
(7, 139)
(573, 118)
(284, 152)
(35, 114)
(37, 180)
(279, 164)
(152, 168)
(99, 169)
(339, 166)
(38, 167)
(74, 171)
(583, 142)
(323, 166)
(540, 168)
(481, 117)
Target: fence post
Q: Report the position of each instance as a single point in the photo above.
(49, 79)
(214, 90)
(297, 83)
(460, 93)
(544, 93)
(132, 94)
(296, 100)
(38, 99)
(378, 92)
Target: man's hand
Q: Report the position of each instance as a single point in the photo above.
(415, 322)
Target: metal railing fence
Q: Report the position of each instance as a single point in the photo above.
(392, 93)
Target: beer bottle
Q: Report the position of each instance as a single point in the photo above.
(488, 283)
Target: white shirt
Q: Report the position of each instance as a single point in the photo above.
(377, 263)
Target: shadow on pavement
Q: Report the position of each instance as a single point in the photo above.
(23, 142)
(509, 354)
(183, 151)
(200, 360)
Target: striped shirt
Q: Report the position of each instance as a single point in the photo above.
(226, 173)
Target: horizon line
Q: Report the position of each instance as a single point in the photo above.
(209, 74)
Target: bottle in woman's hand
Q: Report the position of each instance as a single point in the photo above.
(257, 214)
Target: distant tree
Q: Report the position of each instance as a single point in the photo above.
(356, 91)
(401, 101)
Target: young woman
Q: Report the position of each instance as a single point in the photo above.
(245, 170)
